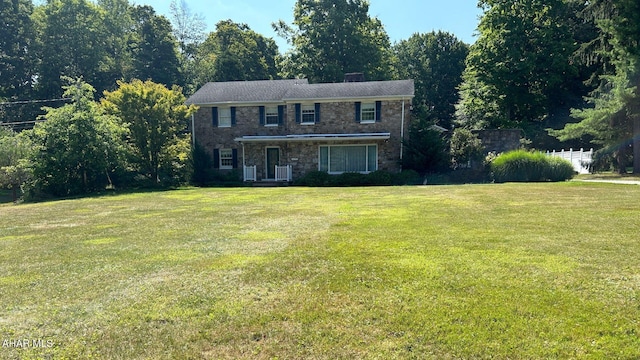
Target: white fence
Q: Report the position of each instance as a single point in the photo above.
(250, 173)
(580, 159)
(283, 173)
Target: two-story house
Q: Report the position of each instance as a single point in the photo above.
(283, 129)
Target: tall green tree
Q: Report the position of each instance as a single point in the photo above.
(518, 68)
(77, 146)
(16, 48)
(17, 58)
(156, 118)
(71, 43)
(435, 61)
(332, 37)
(189, 31)
(118, 24)
(154, 48)
(613, 120)
(235, 52)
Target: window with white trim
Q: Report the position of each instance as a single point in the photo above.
(226, 158)
(271, 115)
(224, 117)
(336, 159)
(308, 114)
(368, 113)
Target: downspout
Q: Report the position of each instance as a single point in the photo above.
(193, 131)
(244, 167)
(402, 134)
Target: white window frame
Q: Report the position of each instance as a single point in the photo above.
(310, 111)
(224, 117)
(271, 116)
(367, 146)
(226, 159)
(370, 110)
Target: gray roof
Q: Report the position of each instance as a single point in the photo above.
(298, 89)
(366, 89)
(244, 91)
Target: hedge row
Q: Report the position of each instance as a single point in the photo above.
(376, 178)
(525, 166)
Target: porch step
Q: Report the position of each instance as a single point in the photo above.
(269, 183)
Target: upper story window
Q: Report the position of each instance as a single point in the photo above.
(223, 116)
(368, 113)
(271, 115)
(308, 114)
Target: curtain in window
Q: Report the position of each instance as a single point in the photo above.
(348, 159)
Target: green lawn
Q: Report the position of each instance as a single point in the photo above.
(511, 271)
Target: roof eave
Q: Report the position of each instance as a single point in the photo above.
(315, 137)
(351, 98)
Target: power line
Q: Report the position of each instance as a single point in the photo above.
(20, 122)
(21, 102)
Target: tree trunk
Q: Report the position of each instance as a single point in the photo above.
(636, 144)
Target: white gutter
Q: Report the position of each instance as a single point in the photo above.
(243, 159)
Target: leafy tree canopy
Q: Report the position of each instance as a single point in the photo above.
(614, 118)
(331, 38)
(235, 52)
(519, 65)
(435, 61)
(77, 145)
(156, 118)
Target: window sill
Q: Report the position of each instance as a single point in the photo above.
(270, 125)
(368, 122)
(308, 123)
(224, 126)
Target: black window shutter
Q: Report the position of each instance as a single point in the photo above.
(317, 112)
(378, 111)
(216, 159)
(233, 116)
(214, 116)
(234, 159)
(261, 115)
(280, 114)
(358, 109)
(298, 113)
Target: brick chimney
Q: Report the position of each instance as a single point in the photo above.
(354, 77)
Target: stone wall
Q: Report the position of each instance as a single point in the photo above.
(335, 118)
(499, 140)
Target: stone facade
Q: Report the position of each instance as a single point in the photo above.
(336, 117)
(499, 140)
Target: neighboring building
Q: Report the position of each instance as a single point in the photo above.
(283, 129)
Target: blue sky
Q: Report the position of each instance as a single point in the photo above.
(401, 18)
